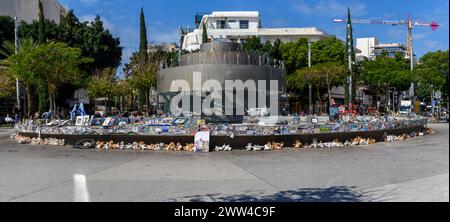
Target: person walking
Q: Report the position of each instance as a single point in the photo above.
(17, 117)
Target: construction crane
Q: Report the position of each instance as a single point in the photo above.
(409, 24)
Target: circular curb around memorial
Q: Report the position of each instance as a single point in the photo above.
(237, 141)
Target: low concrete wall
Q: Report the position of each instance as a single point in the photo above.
(238, 142)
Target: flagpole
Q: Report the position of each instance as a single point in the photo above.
(311, 108)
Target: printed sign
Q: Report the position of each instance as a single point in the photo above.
(79, 121)
(201, 141)
(86, 120)
(107, 121)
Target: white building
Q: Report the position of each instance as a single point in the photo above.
(240, 25)
(371, 47)
(27, 10)
(366, 46)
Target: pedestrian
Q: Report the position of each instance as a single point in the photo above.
(17, 117)
(9, 120)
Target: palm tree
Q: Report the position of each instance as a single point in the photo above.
(8, 48)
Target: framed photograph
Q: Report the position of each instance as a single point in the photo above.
(107, 121)
(86, 120)
(79, 121)
(166, 120)
(201, 141)
(180, 121)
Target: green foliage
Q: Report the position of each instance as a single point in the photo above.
(103, 84)
(41, 34)
(252, 44)
(385, 72)
(20, 65)
(91, 37)
(141, 75)
(42, 96)
(324, 75)
(204, 34)
(432, 73)
(143, 43)
(328, 50)
(295, 55)
(52, 64)
(144, 76)
(6, 31)
(7, 84)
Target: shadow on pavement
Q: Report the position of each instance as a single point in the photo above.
(331, 194)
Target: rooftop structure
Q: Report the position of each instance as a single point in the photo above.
(27, 10)
(371, 48)
(172, 47)
(391, 49)
(240, 25)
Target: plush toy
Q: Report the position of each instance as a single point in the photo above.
(297, 144)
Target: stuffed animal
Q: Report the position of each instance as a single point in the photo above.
(189, 147)
(268, 146)
(297, 144)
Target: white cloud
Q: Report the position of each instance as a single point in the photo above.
(331, 8)
(89, 18)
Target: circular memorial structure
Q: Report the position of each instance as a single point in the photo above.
(238, 136)
(221, 61)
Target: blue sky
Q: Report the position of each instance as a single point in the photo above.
(163, 17)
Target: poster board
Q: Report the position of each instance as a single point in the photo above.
(107, 121)
(79, 121)
(201, 141)
(86, 120)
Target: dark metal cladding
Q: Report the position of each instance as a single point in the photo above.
(221, 46)
(221, 60)
(237, 142)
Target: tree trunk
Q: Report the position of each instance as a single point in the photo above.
(108, 106)
(377, 92)
(50, 101)
(329, 96)
(31, 97)
(54, 105)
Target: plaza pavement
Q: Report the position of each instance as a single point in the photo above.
(416, 170)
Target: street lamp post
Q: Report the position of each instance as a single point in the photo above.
(16, 39)
(310, 86)
(432, 101)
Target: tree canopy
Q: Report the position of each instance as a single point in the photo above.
(6, 31)
(92, 38)
(384, 72)
(432, 73)
(52, 63)
(295, 54)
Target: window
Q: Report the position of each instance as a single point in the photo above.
(221, 24)
(243, 24)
